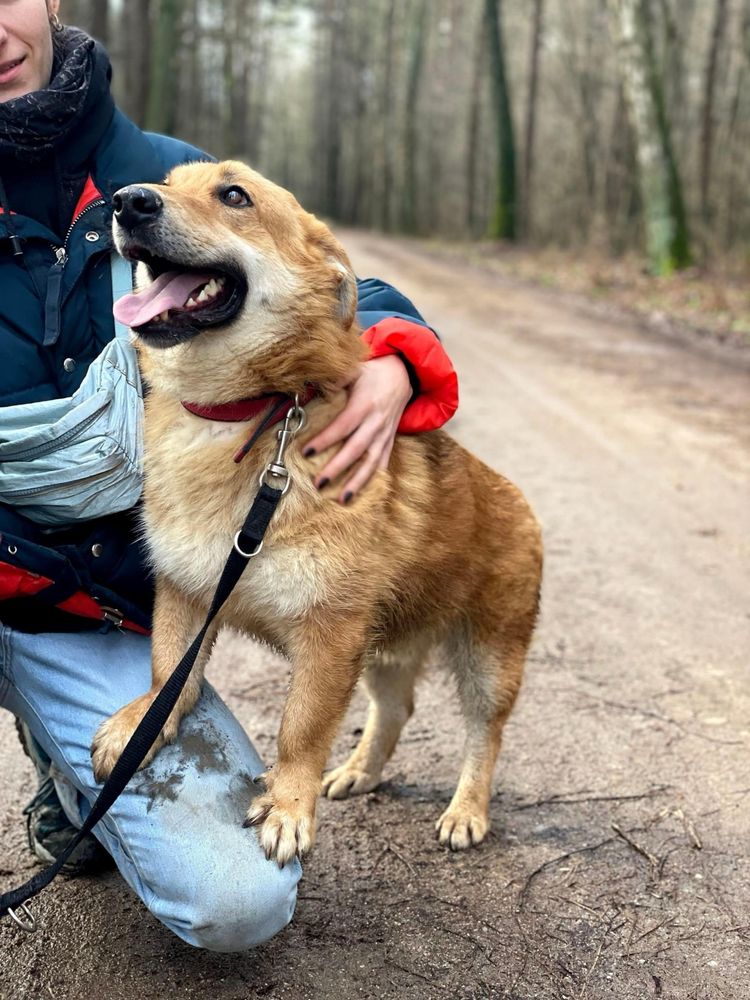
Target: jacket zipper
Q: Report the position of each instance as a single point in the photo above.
(53, 445)
(63, 487)
(54, 281)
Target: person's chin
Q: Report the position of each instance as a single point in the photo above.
(16, 84)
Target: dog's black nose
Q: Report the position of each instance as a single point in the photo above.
(135, 205)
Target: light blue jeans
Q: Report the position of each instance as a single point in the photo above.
(176, 832)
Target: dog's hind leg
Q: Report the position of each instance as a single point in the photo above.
(488, 676)
(389, 680)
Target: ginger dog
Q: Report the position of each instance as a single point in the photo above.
(242, 294)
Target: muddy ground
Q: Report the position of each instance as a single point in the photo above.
(618, 864)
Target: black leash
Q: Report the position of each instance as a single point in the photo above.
(247, 542)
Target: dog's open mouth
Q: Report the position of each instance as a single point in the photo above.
(180, 301)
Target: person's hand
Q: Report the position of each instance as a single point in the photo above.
(367, 424)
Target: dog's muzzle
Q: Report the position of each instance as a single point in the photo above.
(136, 206)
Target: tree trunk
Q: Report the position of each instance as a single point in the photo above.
(661, 191)
(328, 104)
(161, 112)
(528, 162)
(387, 125)
(100, 22)
(239, 51)
(503, 221)
(708, 105)
(475, 121)
(137, 27)
(411, 137)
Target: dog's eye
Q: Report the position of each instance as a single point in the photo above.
(235, 197)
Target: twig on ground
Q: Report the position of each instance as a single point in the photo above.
(412, 972)
(574, 902)
(390, 849)
(590, 972)
(582, 797)
(690, 830)
(662, 923)
(644, 852)
(554, 861)
(471, 940)
(663, 718)
(447, 902)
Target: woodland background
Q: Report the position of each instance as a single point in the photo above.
(612, 126)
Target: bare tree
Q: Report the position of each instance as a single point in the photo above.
(411, 133)
(474, 130)
(100, 21)
(528, 161)
(661, 190)
(137, 66)
(707, 126)
(161, 109)
(503, 221)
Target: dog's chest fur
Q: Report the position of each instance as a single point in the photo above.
(190, 536)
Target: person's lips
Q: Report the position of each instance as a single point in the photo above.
(10, 68)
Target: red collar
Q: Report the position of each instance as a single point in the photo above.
(276, 405)
(240, 409)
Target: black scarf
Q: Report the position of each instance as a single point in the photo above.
(34, 124)
(47, 137)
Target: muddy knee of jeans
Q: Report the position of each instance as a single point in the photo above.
(235, 915)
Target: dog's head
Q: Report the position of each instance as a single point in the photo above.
(234, 273)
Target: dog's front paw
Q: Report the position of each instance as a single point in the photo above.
(349, 780)
(461, 826)
(287, 828)
(114, 734)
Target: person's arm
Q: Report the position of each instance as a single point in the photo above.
(408, 385)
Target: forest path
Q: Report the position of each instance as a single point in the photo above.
(618, 866)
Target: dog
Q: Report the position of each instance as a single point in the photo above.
(244, 294)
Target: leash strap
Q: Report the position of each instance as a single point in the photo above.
(247, 544)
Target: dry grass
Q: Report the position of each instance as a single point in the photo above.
(713, 300)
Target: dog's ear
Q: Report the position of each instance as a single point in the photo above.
(342, 273)
(347, 283)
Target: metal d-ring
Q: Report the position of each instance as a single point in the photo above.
(245, 555)
(277, 472)
(298, 413)
(28, 925)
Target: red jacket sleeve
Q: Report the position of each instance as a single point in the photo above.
(437, 399)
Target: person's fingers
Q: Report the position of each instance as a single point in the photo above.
(380, 457)
(362, 439)
(342, 425)
(362, 476)
(385, 455)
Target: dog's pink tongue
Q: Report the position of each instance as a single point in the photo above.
(169, 291)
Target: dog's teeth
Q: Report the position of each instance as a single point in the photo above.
(203, 295)
(164, 316)
(191, 301)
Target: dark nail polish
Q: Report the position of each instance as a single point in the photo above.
(308, 452)
(347, 496)
(323, 483)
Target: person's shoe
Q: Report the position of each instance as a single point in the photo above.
(48, 829)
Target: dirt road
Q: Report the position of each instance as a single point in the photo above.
(619, 863)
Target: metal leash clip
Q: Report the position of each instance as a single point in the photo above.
(276, 469)
(29, 924)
